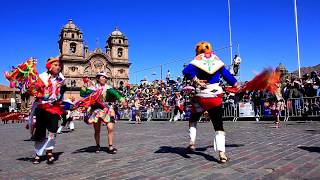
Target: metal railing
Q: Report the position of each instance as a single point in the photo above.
(303, 107)
(148, 114)
(292, 108)
(230, 110)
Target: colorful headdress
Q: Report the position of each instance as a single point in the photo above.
(26, 78)
(52, 60)
(203, 47)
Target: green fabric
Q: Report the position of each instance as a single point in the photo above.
(85, 91)
(113, 95)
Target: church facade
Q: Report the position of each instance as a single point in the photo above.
(79, 62)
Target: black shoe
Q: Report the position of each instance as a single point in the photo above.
(112, 150)
(97, 148)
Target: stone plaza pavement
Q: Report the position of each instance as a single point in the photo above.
(156, 150)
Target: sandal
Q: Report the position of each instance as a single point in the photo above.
(36, 160)
(223, 158)
(50, 158)
(191, 148)
(112, 150)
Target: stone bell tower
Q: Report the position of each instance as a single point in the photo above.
(71, 42)
(72, 52)
(117, 48)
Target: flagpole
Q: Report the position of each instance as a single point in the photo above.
(230, 33)
(297, 35)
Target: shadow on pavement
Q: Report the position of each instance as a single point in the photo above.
(90, 149)
(312, 131)
(133, 123)
(56, 156)
(66, 131)
(234, 145)
(203, 148)
(310, 149)
(182, 151)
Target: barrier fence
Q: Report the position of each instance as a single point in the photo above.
(292, 108)
(303, 107)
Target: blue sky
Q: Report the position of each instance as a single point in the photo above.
(165, 31)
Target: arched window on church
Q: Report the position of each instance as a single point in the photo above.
(73, 47)
(73, 68)
(73, 83)
(72, 36)
(121, 71)
(121, 84)
(120, 52)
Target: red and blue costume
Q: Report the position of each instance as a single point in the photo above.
(205, 71)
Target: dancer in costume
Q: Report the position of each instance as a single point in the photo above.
(178, 101)
(205, 71)
(95, 104)
(48, 91)
(49, 109)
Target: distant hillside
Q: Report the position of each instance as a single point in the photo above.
(308, 70)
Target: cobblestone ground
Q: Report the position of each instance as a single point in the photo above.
(156, 150)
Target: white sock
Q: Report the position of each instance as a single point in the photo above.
(182, 116)
(175, 118)
(219, 141)
(60, 129)
(71, 125)
(193, 134)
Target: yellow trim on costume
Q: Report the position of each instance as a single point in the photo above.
(210, 65)
(53, 60)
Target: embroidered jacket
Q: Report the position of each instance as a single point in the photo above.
(53, 93)
(208, 67)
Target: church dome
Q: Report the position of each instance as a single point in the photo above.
(116, 32)
(281, 67)
(70, 25)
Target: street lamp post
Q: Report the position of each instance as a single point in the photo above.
(230, 33)
(297, 35)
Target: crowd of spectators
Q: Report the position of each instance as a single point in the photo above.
(160, 94)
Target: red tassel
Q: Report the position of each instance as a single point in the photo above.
(267, 80)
